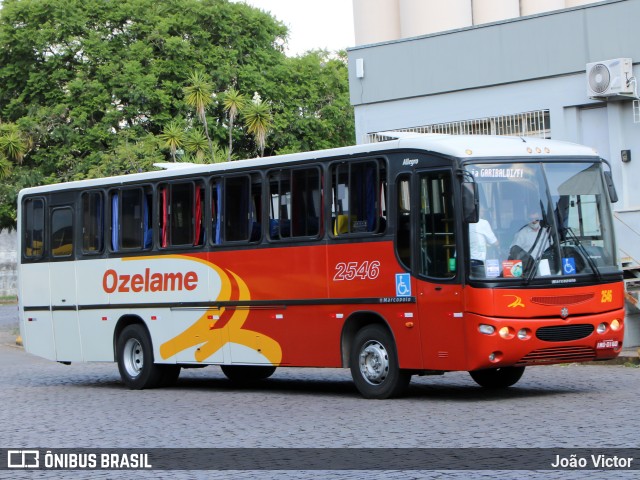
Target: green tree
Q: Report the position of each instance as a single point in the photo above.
(195, 143)
(233, 102)
(13, 143)
(92, 84)
(257, 118)
(198, 95)
(311, 104)
(173, 136)
(5, 168)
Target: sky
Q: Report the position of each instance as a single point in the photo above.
(313, 24)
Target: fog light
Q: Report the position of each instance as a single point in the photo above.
(506, 332)
(602, 328)
(495, 357)
(616, 325)
(486, 329)
(524, 334)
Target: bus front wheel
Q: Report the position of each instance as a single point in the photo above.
(497, 377)
(134, 353)
(374, 364)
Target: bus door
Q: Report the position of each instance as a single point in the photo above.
(62, 278)
(434, 263)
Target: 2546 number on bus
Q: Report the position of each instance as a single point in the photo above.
(367, 270)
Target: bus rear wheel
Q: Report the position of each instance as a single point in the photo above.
(247, 373)
(134, 353)
(497, 377)
(374, 364)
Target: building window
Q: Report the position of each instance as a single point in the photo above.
(528, 124)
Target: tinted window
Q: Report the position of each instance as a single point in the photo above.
(33, 241)
(92, 222)
(62, 232)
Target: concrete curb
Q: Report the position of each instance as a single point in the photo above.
(628, 356)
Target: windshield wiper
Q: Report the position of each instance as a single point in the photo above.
(536, 259)
(583, 251)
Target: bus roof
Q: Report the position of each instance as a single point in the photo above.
(461, 146)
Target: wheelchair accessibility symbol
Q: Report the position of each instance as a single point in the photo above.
(568, 266)
(403, 285)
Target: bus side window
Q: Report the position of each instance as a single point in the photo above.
(131, 212)
(403, 221)
(181, 207)
(242, 208)
(181, 214)
(92, 222)
(131, 218)
(295, 203)
(437, 225)
(216, 211)
(357, 194)
(61, 232)
(33, 241)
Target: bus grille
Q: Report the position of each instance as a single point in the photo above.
(564, 333)
(562, 299)
(558, 355)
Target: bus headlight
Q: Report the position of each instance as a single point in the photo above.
(616, 325)
(486, 329)
(506, 333)
(524, 334)
(602, 328)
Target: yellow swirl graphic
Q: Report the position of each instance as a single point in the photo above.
(212, 335)
(516, 303)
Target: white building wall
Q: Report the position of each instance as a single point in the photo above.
(376, 21)
(576, 3)
(531, 7)
(487, 11)
(8, 264)
(421, 17)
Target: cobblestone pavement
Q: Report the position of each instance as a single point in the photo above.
(48, 405)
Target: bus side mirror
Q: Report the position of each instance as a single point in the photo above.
(613, 195)
(470, 202)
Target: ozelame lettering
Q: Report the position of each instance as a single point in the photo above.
(114, 282)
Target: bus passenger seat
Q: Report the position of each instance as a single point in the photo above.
(341, 225)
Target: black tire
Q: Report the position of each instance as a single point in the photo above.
(374, 364)
(247, 373)
(134, 353)
(497, 377)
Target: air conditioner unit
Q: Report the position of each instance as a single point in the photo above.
(610, 78)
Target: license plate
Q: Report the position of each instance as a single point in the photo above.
(607, 344)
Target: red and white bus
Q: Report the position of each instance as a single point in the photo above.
(363, 257)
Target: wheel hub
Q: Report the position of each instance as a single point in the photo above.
(374, 363)
(133, 357)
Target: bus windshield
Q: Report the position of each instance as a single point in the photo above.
(541, 220)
